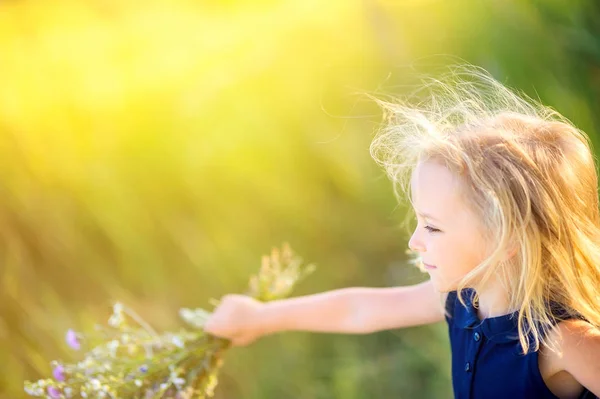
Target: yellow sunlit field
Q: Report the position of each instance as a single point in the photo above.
(152, 152)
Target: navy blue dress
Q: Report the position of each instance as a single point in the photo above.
(487, 359)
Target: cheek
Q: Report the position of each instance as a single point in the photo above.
(456, 258)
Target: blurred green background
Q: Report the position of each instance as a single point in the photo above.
(151, 152)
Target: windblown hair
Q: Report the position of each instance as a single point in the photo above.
(530, 177)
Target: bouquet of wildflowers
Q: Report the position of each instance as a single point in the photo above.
(128, 359)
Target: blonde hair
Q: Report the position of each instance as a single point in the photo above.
(530, 177)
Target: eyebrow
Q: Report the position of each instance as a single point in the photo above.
(427, 216)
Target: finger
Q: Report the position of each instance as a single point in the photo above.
(211, 326)
(239, 342)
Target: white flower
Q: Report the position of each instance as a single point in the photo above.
(112, 347)
(118, 307)
(117, 319)
(33, 391)
(179, 382)
(177, 342)
(175, 379)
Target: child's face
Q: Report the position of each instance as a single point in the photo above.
(448, 236)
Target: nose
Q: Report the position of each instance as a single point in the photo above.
(415, 243)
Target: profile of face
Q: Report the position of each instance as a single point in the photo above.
(448, 237)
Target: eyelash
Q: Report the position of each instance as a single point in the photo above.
(431, 229)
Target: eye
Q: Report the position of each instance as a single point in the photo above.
(431, 229)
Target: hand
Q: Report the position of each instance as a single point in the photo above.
(236, 318)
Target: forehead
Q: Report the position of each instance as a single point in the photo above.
(435, 189)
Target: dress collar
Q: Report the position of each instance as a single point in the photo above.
(499, 329)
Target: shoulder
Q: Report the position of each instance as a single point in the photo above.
(577, 351)
(575, 337)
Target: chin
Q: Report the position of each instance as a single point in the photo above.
(442, 286)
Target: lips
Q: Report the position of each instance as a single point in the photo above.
(428, 266)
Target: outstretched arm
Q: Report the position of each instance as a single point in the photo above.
(354, 310)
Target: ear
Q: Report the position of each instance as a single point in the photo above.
(512, 250)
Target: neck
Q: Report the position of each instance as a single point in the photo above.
(493, 301)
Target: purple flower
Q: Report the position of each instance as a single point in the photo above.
(54, 392)
(59, 373)
(144, 368)
(72, 340)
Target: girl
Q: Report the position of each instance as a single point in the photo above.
(508, 228)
